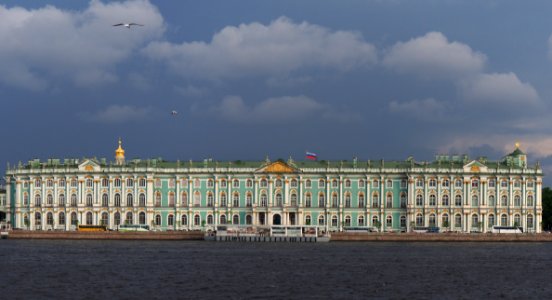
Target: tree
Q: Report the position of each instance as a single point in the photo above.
(546, 208)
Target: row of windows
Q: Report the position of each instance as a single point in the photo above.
(475, 220)
(474, 200)
(474, 183)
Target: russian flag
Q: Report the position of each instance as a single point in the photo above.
(311, 156)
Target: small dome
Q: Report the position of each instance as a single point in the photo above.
(120, 152)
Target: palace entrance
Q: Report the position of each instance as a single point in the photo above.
(276, 220)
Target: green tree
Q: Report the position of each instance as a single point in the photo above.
(546, 208)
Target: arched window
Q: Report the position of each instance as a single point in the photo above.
(445, 200)
(105, 182)
(171, 183)
(264, 183)
(88, 218)
(73, 200)
(361, 183)
(458, 221)
(321, 221)
(50, 219)
(458, 200)
(517, 200)
(25, 199)
(334, 221)
(38, 200)
(445, 220)
(142, 182)
(89, 182)
(491, 220)
(117, 182)
(504, 200)
(158, 220)
(321, 200)
(184, 220)
(432, 183)
(222, 219)
(49, 199)
(347, 220)
(210, 219)
(236, 220)
(361, 200)
(403, 221)
(475, 221)
(475, 183)
(389, 201)
(248, 200)
(222, 199)
(360, 221)
(170, 220)
(321, 183)
(432, 200)
(419, 200)
(432, 220)
(347, 200)
(375, 221)
(293, 199)
(334, 200)
(142, 200)
(184, 199)
(157, 199)
(117, 218)
(293, 183)
(278, 183)
(105, 200)
(263, 200)
(105, 219)
(129, 218)
(249, 183)
(130, 200)
(171, 199)
(37, 183)
(89, 200)
(197, 199)
(223, 183)
(236, 200)
(475, 200)
(389, 221)
(142, 218)
(517, 220)
(74, 219)
(308, 220)
(62, 182)
(403, 200)
(248, 220)
(530, 223)
(197, 183)
(38, 219)
(504, 220)
(61, 218)
(117, 200)
(375, 200)
(308, 183)
(210, 183)
(492, 201)
(278, 199)
(530, 201)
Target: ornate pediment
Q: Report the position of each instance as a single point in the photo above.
(475, 167)
(89, 165)
(277, 167)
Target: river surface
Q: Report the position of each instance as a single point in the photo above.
(61, 269)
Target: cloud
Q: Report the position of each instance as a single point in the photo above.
(41, 45)
(118, 114)
(190, 91)
(433, 56)
(269, 50)
(287, 109)
(499, 89)
(425, 110)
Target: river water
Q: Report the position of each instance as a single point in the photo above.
(37, 269)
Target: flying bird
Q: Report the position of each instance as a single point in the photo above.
(127, 25)
(174, 113)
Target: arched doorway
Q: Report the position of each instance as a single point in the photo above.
(292, 218)
(276, 219)
(261, 218)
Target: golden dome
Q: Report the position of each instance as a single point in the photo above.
(120, 152)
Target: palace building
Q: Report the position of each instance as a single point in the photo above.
(453, 192)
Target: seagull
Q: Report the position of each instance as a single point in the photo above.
(174, 113)
(127, 25)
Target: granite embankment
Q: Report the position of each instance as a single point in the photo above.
(106, 235)
(439, 237)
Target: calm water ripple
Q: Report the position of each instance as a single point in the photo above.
(35, 269)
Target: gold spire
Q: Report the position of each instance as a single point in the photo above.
(517, 144)
(120, 152)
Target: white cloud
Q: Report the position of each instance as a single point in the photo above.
(433, 56)
(41, 45)
(287, 109)
(499, 89)
(118, 114)
(426, 110)
(270, 50)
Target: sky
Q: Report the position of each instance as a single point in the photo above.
(249, 79)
